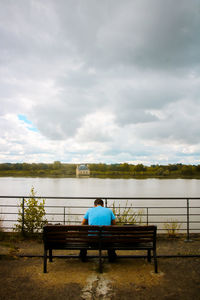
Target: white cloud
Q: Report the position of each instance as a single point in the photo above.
(99, 126)
(101, 81)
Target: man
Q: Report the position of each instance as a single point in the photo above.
(99, 215)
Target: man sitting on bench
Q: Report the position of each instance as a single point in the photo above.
(99, 215)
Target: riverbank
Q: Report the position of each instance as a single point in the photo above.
(97, 175)
(101, 170)
(23, 278)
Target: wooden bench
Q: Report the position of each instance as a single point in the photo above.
(75, 237)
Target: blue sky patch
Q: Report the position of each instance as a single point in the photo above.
(25, 120)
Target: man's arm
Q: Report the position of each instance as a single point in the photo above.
(113, 218)
(84, 222)
(113, 222)
(85, 218)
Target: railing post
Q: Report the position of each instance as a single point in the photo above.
(23, 216)
(106, 203)
(64, 216)
(188, 222)
(147, 216)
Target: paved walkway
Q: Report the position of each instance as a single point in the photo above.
(23, 278)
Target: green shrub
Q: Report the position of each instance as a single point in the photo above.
(127, 214)
(33, 219)
(172, 227)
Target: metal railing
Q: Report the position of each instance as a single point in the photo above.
(70, 210)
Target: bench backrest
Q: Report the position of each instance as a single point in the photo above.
(60, 235)
(129, 234)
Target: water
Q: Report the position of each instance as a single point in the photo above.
(95, 187)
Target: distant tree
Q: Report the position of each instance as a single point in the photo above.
(173, 167)
(102, 167)
(140, 168)
(160, 171)
(17, 166)
(26, 166)
(124, 167)
(198, 169)
(57, 165)
(187, 170)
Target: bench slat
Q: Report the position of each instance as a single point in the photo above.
(129, 228)
(60, 228)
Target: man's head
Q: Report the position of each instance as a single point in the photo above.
(98, 201)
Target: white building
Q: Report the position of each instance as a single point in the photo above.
(82, 170)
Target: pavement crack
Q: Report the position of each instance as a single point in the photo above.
(98, 288)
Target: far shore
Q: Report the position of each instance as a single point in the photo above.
(101, 176)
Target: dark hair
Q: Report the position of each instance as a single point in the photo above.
(98, 201)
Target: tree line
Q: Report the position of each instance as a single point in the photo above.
(119, 170)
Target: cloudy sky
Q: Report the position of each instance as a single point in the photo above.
(100, 81)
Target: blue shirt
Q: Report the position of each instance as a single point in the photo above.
(99, 216)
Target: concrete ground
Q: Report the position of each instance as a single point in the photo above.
(68, 278)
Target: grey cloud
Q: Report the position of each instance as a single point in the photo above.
(134, 116)
(134, 103)
(57, 121)
(141, 33)
(60, 118)
(80, 79)
(147, 34)
(158, 35)
(179, 126)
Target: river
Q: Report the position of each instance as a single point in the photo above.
(95, 187)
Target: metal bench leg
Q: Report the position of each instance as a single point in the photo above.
(155, 261)
(45, 261)
(100, 262)
(100, 252)
(149, 255)
(50, 255)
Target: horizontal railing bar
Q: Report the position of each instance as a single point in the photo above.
(171, 222)
(152, 222)
(9, 213)
(144, 215)
(50, 206)
(61, 214)
(108, 198)
(7, 205)
(129, 215)
(193, 214)
(76, 214)
(170, 207)
(135, 207)
(67, 207)
(151, 207)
